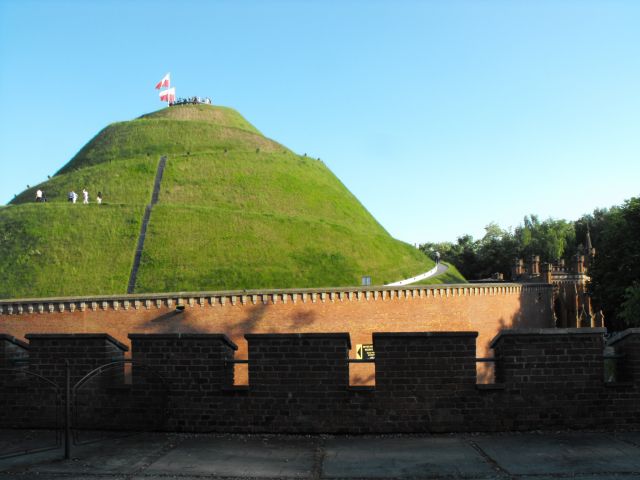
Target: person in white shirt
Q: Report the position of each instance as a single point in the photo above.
(85, 196)
(39, 195)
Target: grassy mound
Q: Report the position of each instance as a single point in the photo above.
(236, 210)
(255, 250)
(60, 250)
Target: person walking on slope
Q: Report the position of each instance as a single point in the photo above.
(99, 198)
(39, 195)
(85, 196)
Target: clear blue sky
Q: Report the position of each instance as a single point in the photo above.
(440, 116)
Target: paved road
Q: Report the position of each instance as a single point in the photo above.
(442, 267)
(437, 270)
(155, 456)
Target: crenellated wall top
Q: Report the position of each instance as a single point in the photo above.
(266, 297)
(524, 332)
(11, 339)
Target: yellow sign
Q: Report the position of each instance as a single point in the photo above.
(364, 351)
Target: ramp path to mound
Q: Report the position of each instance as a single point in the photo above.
(439, 269)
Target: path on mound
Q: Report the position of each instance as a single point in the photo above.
(145, 223)
(439, 269)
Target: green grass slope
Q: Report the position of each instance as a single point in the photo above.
(268, 183)
(56, 250)
(255, 250)
(127, 181)
(236, 210)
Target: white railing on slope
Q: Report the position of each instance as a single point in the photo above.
(417, 278)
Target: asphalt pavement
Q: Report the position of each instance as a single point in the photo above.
(155, 456)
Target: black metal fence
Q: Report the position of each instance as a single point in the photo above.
(39, 415)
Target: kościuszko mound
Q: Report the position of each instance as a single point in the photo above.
(235, 210)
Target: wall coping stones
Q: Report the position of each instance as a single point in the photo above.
(546, 331)
(80, 336)
(14, 340)
(229, 298)
(302, 336)
(623, 334)
(174, 336)
(424, 334)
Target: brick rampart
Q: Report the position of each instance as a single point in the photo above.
(13, 352)
(486, 309)
(49, 353)
(547, 379)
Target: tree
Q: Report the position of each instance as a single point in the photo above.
(616, 265)
(548, 239)
(630, 313)
(495, 251)
(615, 272)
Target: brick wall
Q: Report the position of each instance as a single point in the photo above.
(13, 352)
(421, 379)
(84, 352)
(486, 309)
(293, 378)
(547, 379)
(627, 346)
(192, 371)
(553, 376)
(624, 396)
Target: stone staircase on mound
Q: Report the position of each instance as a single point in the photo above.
(145, 222)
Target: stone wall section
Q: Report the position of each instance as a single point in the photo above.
(298, 383)
(540, 367)
(486, 309)
(13, 352)
(50, 352)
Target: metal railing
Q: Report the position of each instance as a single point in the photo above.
(68, 397)
(57, 419)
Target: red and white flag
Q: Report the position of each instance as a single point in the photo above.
(168, 95)
(165, 82)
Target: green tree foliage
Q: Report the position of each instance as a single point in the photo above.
(495, 251)
(615, 273)
(630, 313)
(617, 263)
(549, 238)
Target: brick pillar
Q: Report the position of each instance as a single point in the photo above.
(546, 272)
(534, 265)
(628, 345)
(191, 363)
(577, 265)
(84, 351)
(14, 353)
(426, 381)
(17, 395)
(183, 377)
(299, 382)
(517, 269)
(554, 377)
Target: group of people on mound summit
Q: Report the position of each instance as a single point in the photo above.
(193, 100)
(71, 196)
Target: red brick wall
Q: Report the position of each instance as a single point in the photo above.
(486, 309)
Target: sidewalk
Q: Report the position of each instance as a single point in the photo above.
(155, 456)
